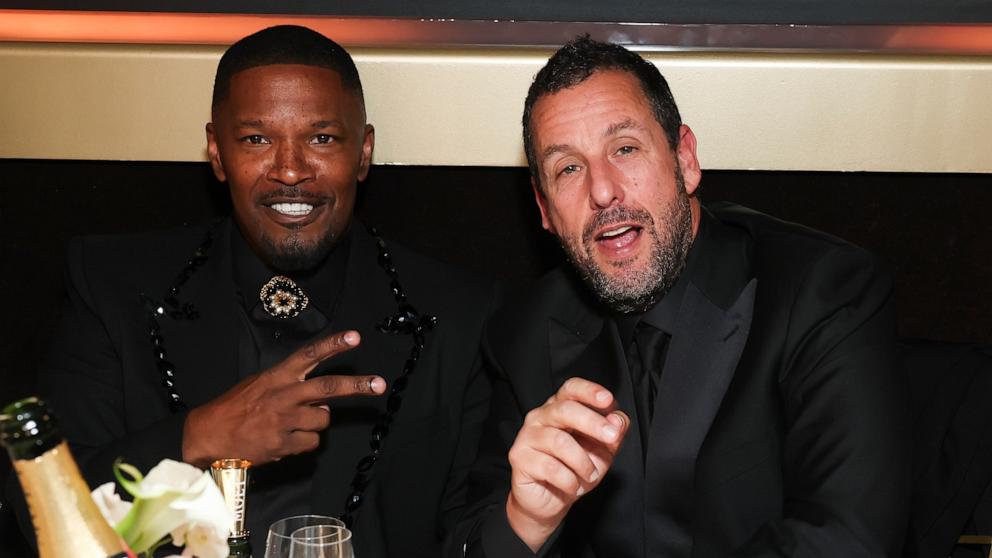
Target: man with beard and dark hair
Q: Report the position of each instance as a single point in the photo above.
(276, 335)
(701, 381)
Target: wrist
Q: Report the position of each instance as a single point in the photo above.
(192, 453)
(533, 531)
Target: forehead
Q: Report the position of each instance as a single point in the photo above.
(605, 98)
(289, 86)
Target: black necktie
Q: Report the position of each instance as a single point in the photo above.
(645, 361)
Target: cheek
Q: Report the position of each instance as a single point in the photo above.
(566, 224)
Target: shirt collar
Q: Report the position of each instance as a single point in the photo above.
(321, 284)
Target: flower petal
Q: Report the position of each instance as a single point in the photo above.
(110, 504)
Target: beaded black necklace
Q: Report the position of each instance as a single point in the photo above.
(406, 321)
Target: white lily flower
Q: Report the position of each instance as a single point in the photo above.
(178, 499)
(204, 541)
(110, 504)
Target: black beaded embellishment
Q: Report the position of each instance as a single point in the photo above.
(170, 306)
(406, 321)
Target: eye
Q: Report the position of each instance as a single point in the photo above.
(569, 169)
(626, 150)
(322, 138)
(255, 139)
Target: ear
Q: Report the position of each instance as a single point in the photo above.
(213, 153)
(542, 204)
(688, 162)
(368, 146)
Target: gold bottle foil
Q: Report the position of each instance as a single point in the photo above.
(231, 476)
(66, 520)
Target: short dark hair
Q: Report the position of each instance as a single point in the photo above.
(285, 44)
(579, 59)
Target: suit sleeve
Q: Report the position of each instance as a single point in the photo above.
(83, 379)
(485, 530)
(845, 454)
(82, 382)
(475, 407)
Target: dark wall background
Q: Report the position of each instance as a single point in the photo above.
(931, 229)
(813, 12)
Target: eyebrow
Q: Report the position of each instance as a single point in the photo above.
(250, 123)
(612, 130)
(552, 149)
(618, 127)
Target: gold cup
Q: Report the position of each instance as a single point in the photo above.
(231, 476)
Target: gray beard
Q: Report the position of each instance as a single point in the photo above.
(636, 291)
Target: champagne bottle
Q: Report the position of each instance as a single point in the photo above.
(66, 521)
(239, 547)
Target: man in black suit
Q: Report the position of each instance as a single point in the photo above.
(702, 381)
(344, 367)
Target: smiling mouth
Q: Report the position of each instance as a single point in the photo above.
(292, 209)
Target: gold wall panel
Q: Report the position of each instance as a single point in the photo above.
(781, 111)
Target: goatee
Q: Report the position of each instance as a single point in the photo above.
(636, 290)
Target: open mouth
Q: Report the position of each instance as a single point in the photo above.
(618, 237)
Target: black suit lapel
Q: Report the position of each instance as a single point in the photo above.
(711, 331)
(366, 299)
(208, 342)
(584, 344)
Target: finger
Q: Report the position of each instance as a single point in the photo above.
(303, 360)
(586, 392)
(301, 442)
(562, 446)
(545, 469)
(310, 419)
(574, 416)
(322, 388)
(602, 454)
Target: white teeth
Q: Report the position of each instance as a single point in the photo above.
(616, 232)
(293, 209)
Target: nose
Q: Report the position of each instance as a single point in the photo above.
(289, 165)
(606, 185)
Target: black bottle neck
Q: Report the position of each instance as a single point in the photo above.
(28, 429)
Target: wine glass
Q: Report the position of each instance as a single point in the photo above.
(277, 542)
(321, 541)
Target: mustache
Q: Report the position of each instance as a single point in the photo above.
(614, 215)
(294, 193)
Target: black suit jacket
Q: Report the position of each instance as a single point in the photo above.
(780, 424)
(101, 377)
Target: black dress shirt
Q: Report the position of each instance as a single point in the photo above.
(283, 488)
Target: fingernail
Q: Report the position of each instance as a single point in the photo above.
(580, 491)
(602, 396)
(594, 476)
(378, 384)
(611, 431)
(616, 419)
(351, 338)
